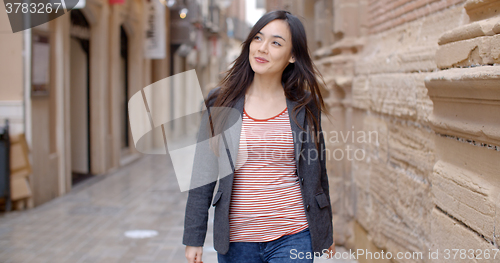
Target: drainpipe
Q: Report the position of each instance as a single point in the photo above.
(27, 129)
(27, 83)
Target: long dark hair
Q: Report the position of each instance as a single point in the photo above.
(297, 78)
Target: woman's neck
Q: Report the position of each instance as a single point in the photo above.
(265, 86)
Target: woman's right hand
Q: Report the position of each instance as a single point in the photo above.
(193, 254)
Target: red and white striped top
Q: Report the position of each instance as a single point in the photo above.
(266, 202)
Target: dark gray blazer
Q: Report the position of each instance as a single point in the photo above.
(311, 172)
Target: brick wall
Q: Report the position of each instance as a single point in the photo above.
(386, 14)
(417, 74)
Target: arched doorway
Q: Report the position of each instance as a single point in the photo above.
(79, 96)
(124, 91)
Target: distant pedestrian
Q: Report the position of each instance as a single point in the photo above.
(274, 206)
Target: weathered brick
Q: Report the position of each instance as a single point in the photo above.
(465, 184)
(390, 219)
(477, 51)
(444, 233)
(469, 31)
(464, 195)
(390, 201)
(481, 9)
(464, 103)
(408, 48)
(411, 148)
(399, 95)
(407, 16)
(396, 9)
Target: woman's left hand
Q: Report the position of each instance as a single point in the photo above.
(331, 251)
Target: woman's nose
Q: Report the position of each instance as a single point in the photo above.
(263, 48)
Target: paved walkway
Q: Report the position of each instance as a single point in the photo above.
(89, 223)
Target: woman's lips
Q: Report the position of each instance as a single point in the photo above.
(261, 60)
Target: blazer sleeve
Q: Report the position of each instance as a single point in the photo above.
(205, 169)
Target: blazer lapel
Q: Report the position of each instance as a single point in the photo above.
(296, 131)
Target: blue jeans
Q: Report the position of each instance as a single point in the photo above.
(288, 248)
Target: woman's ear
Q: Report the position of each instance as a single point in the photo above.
(292, 59)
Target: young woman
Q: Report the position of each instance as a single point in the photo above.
(274, 206)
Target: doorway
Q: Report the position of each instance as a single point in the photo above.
(124, 93)
(79, 97)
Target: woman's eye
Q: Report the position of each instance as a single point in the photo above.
(277, 43)
(256, 37)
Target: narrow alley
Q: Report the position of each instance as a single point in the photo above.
(89, 223)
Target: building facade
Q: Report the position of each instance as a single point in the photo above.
(412, 87)
(75, 121)
(66, 83)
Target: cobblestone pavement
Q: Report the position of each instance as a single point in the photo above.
(88, 224)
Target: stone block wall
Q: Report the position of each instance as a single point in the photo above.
(424, 77)
(466, 96)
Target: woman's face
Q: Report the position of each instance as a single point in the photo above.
(271, 48)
